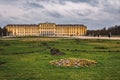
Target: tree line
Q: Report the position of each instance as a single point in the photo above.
(3, 31)
(114, 30)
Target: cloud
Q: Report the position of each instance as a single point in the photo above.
(33, 4)
(93, 13)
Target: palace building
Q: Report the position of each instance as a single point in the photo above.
(46, 29)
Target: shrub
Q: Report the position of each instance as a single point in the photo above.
(100, 47)
(73, 62)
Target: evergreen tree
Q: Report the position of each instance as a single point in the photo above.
(0, 31)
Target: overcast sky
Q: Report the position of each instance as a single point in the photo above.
(95, 14)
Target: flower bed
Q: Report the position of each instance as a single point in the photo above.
(73, 62)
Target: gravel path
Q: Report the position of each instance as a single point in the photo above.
(73, 37)
(88, 37)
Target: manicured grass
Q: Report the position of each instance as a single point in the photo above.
(29, 59)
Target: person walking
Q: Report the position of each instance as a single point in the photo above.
(109, 35)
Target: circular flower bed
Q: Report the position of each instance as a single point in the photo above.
(73, 62)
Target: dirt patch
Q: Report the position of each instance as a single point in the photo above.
(2, 62)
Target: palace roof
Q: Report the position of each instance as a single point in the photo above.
(22, 25)
(69, 25)
(59, 25)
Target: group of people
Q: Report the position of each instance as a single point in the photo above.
(98, 35)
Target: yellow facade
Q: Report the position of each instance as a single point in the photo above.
(46, 29)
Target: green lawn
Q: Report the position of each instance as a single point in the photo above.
(29, 59)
